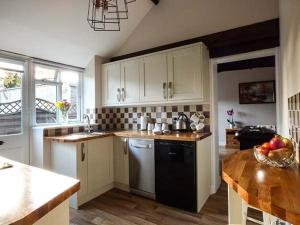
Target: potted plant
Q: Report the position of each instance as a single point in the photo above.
(230, 120)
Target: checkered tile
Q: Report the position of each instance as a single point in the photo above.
(129, 117)
(294, 121)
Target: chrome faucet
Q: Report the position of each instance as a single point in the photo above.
(89, 128)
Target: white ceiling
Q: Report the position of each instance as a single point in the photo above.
(57, 30)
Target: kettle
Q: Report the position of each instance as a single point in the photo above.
(181, 123)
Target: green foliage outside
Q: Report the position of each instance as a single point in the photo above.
(12, 80)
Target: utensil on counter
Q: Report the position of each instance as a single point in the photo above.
(197, 122)
(150, 127)
(157, 128)
(144, 122)
(165, 128)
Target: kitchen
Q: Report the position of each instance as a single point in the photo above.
(117, 118)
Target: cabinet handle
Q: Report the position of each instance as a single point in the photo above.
(82, 152)
(123, 94)
(118, 94)
(164, 90)
(170, 90)
(125, 146)
(172, 153)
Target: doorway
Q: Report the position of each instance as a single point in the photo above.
(14, 122)
(215, 97)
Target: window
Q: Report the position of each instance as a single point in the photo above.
(53, 84)
(11, 75)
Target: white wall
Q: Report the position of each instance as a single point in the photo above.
(253, 114)
(290, 52)
(92, 83)
(176, 20)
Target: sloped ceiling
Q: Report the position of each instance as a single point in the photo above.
(57, 30)
(177, 20)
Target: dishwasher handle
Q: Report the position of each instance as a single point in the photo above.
(141, 146)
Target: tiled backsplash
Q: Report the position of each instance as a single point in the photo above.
(129, 117)
(294, 120)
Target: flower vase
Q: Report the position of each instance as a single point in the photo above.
(64, 117)
(231, 126)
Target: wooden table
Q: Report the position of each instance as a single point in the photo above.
(273, 190)
(29, 195)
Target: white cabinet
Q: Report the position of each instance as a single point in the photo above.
(91, 162)
(70, 159)
(120, 84)
(179, 75)
(130, 82)
(121, 163)
(185, 74)
(100, 164)
(154, 78)
(111, 84)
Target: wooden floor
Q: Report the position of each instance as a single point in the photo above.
(120, 208)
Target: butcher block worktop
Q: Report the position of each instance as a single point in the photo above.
(273, 190)
(130, 134)
(27, 193)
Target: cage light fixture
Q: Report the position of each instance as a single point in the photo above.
(106, 15)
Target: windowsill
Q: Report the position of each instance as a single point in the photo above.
(53, 126)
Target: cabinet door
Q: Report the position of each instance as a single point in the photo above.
(153, 78)
(121, 161)
(185, 78)
(100, 165)
(82, 167)
(130, 82)
(111, 84)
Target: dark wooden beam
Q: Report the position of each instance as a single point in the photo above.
(155, 1)
(249, 38)
(262, 62)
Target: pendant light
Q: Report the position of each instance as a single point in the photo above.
(106, 15)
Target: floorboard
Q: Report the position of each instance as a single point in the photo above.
(120, 208)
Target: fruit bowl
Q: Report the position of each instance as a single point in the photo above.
(279, 152)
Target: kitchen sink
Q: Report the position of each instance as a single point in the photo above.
(92, 133)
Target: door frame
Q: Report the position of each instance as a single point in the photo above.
(10, 57)
(216, 179)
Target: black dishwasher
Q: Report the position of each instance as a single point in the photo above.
(175, 174)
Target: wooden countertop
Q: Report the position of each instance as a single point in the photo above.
(28, 193)
(130, 134)
(273, 190)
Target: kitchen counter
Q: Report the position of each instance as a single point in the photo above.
(130, 134)
(28, 194)
(272, 190)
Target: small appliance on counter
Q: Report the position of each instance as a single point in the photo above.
(144, 122)
(250, 136)
(181, 123)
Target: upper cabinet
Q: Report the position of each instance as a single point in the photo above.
(185, 74)
(111, 84)
(120, 83)
(130, 82)
(179, 75)
(153, 77)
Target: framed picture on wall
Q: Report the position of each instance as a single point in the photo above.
(260, 92)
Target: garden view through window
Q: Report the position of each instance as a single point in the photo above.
(52, 85)
(11, 75)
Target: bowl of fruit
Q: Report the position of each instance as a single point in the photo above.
(279, 152)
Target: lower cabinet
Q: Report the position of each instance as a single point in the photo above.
(121, 163)
(90, 161)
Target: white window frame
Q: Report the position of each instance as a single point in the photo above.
(58, 68)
